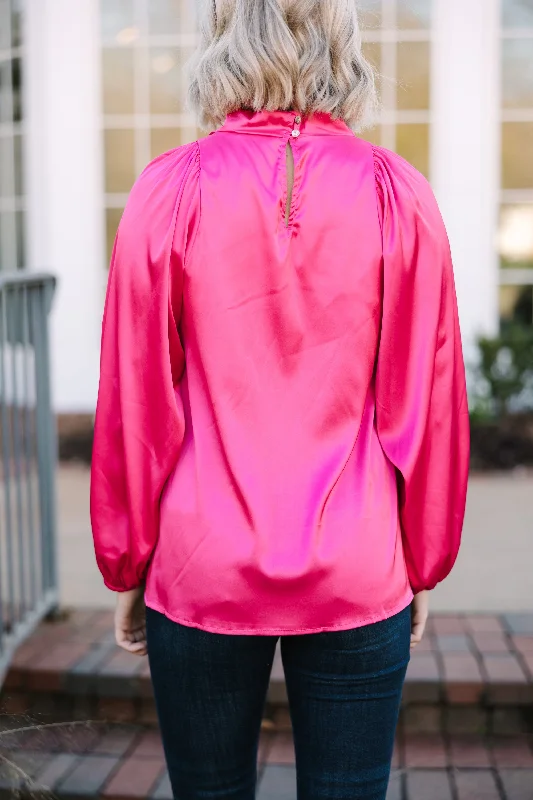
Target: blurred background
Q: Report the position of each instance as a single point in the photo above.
(91, 91)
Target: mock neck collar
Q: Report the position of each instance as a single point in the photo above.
(280, 123)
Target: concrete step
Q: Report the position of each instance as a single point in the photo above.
(472, 674)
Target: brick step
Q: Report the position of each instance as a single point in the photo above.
(471, 674)
(125, 762)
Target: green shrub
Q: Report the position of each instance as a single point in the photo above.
(503, 378)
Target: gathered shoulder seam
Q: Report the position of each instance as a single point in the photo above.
(198, 165)
(380, 198)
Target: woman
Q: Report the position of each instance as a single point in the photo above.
(281, 439)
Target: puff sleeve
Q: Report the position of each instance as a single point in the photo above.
(139, 423)
(421, 402)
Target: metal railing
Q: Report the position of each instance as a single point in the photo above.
(28, 457)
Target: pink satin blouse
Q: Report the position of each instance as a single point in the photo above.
(281, 439)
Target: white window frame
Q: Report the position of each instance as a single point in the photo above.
(390, 116)
(12, 252)
(519, 276)
(143, 121)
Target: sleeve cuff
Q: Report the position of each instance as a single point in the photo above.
(123, 587)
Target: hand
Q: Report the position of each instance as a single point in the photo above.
(419, 617)
(130, 622)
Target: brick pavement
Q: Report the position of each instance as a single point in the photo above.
(125, 762)
(465, 730)
(472, 673)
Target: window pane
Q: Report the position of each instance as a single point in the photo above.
(6, 172)
(112, 219)
(413, 75)
(370, 13)
(515, 236)
(118, 21)
(412, 143)
(517, 13)
(4, 25)
(5, 92)
(517, 155)
(8, 240)
(414, 14)
(164, 139)
(18, 165)
(21, 248)
(516, 305)
(166, 77)
(118, 80)
(16, 77)
(16, 23)
(372, 52)
(388, 85)
(120, 160)
(172, 16)
(518, 73)
(372, 135)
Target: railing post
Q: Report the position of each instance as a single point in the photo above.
(28, 547)
(46, 438)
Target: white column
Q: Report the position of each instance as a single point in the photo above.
(65, 185)
(465, 158)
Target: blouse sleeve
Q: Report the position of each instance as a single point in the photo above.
(139, 422)
(421, 401)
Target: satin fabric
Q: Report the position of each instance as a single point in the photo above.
(281, 437)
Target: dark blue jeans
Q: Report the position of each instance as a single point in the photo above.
(344, 691)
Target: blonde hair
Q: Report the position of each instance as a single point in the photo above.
(272, 55)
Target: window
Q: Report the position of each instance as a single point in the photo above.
(397, 41)
(515, 234)
(12, 202)
(144, 46)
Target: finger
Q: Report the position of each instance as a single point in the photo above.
(128, 630)
(136, 635)
(417, 633)
(128, 638)
(419, 615)
(135, 648)
(418, 626)
(140, 653)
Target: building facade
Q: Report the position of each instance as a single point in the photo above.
(91, 90)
